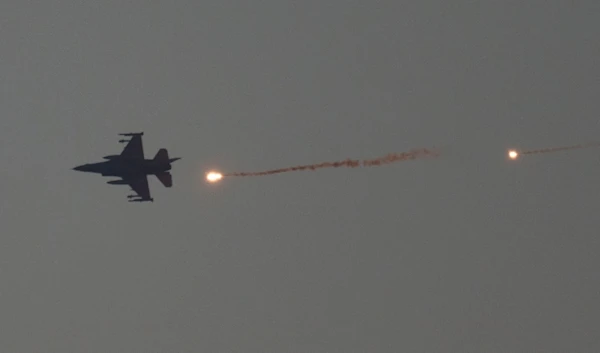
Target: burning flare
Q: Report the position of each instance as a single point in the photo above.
(514, 154)
(213, 177)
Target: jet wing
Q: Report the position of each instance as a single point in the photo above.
(140, 186)
(134, 148)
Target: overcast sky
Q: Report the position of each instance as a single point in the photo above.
(465, 253)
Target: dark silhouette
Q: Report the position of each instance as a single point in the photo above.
(133, 168)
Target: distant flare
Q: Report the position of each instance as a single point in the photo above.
(513, 154)
(213, 177)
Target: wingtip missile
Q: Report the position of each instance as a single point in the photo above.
(132, 134)
(142, 200)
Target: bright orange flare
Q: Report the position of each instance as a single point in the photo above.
(213, 177)
(512, 154)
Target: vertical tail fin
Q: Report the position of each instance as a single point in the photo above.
(162, 155)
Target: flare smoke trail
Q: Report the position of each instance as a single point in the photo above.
(349, 163)
(556, 149)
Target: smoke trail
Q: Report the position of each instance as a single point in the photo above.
(349, 163)
(556, 149)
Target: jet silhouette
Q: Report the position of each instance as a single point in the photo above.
(133, 168)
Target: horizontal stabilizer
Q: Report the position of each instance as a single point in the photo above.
(165, 178)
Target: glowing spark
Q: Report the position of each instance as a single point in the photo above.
(512, 154)
(213, 177)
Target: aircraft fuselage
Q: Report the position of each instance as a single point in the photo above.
(121, 167)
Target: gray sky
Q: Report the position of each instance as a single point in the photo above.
(466, 253)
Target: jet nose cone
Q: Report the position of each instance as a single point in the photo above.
(80, 168)
(174, 159)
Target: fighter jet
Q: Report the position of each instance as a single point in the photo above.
(133, 168)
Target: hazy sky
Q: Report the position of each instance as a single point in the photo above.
(465, 253)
